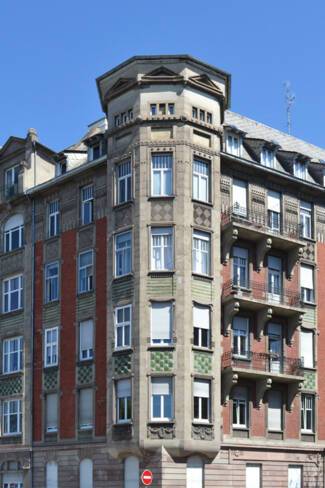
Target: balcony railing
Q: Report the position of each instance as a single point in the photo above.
(259, 221)
(267, 362)
(262, 291)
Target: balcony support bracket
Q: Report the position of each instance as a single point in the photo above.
(261, 386)
(263, 317)
(262, 247)
(294, 323)
(228, 381)
(293, 390)
(228, 239)
(230, 310)
(294, 257)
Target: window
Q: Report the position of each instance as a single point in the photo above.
(209, 118)
(54, 218)
(117, 120)
(52, 282)
(307, 283)
(161, 322)
(12, 480)
(86, 338)
(306, 220)
(162, 109)
(86, 409)
(201, 252)
(274, 420)
(253, 476)
(307, 348)
(194, 112)
(86, 473)
(239, 408)
(153, 109)
(194, 472)
(202, 115)
(123, 320)
(162, 248)
(201, 180)
(12, 355)
(161, 399)
(12, 294)
(51, 475)
(233, 145)
(274, 278)
(96, 151)
(86, 271)
(123, 253)
(240, 267)
(275, 347)
(240, 330)
(130, 114)
(239, 198)
(124, 182)
(51, 346)
(267, 157)
(11, 181)
(307, 413)
(294, 477)
(201, 325)
(162, 174)
(11, 417)
(171, 109)
(87, 204)
(131, 472)
(14, 233)
(274, 210)
(123, 401)
(61, 168)
(51, 412)
(300, 170)
(201, 393)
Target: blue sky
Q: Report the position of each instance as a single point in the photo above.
(51, 53)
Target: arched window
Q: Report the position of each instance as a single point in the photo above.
(194, 472)
(14, 233)
(131, 472)
(51, 475)
(86, 473)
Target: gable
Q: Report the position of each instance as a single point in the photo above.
(12, 145)
(119, 87)
(161, 73)
(203, 81)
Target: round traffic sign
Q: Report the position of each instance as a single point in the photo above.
(147, 477)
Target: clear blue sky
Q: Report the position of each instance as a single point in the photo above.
(51, 53)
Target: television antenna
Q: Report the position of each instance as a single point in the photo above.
(289, 99)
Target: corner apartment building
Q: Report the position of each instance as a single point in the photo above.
(162, 294)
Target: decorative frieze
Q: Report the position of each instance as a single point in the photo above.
(202, 432)
(161, 431)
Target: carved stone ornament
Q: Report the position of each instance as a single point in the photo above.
(166, 431)
(202, 432)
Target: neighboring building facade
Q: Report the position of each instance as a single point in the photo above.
(162, 294)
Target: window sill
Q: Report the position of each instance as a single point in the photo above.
(202, 349)
(161, 197)
(12, 313)
(310, 304)
(310, 368)
(161, 272)
(52, 367)
(203, 276)
(87, 362)
(118, 206)
(53, 303)
(122, 423)
(86, 428)
(122, 350)
(241, 428)
(89, 224)
(82, 294)
(202, 422)
(161, 421)
(12, 374)
(165, 347)
(19, 250)
(202, 202)
(125, 276)
(52, 238)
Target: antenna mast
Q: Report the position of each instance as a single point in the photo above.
(290, 99)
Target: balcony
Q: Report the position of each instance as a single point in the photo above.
(242, 223)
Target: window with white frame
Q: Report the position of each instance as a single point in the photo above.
(51, 401)
(51, 474)
(12, 355)
(274, 416)
(300, 170)
(53, 218)
(87, 204)
(274, 210)
(267, 157)
(201, 180)
(131, 472)
(11, 180)
(123, 401)
(239, 197)
(239, 408)
(307, 413)
(253, 476)
(240, 337)
(124, 182)
(12, 294)
(307, 283)
(11, 417)
(162, 174)
(201, 393)
(12, 480)
(194, 472)
(123, 253)
(52, 282)
(161, 322)
(305, 215)
(201, 325)
(86, 473)
(307, 350)
(86, 409)
(201, 252)
(51, 346)
(86, 340)
(161, 398)
(86, 271)
(14, 233)
(295, 476)
(233, 144)
(123, 324)
(240, 267)
(162, 248)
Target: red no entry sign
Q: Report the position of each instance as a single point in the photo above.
(147, 477)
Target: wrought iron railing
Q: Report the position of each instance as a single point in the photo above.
(260, 361)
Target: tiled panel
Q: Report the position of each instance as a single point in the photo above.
(202, 290)
(310, 380)
(11, 386)
(159, 286)
(161, 361)
(85, 374)
(122, 289)
(202, 363)
(122, 364)
(50, 379)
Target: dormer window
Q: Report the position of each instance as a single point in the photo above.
(61, 168)
(11, 181)
(267, 157)
(96, 151)
(300, 170)
(233, 144)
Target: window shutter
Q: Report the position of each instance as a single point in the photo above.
(161, 386)
(307, 348)
(274, 329)
(123, 388)
(274, 263)
(201, 317)
(86, 407)
(253, 476)
(239, 393)
(86, 473)
(275, 410)
(306, 277)
(52, 411)
(86, 334)
(194, 472)
(131, 472)
(201, 389)
(239, 194)
(161, 320)
(240, 323)
(273, 201)
(240, 252)
(51, 475)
